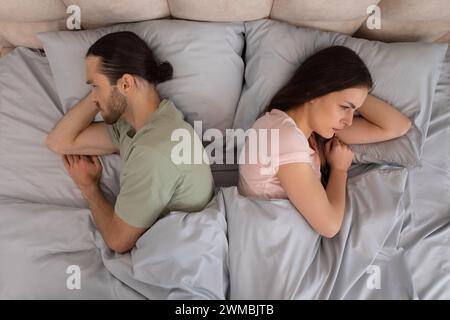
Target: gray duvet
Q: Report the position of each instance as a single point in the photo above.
(394, 243)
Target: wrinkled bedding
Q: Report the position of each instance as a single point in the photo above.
(394, 243)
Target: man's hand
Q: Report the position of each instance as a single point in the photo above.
(85, 171)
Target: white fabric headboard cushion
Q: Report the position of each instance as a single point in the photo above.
(5, 51)
(445, 38)
(346, 15)
(5, 46)
(220, 10)
(4, 42)
(24, 34)
(31, 10)
(402, 20)
(106, 12)
(411, 20)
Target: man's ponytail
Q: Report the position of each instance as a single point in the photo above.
(124, 52)
(165, 71)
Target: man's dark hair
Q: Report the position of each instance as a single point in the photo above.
(124, 52)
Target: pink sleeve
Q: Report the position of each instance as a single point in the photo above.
(293, 146)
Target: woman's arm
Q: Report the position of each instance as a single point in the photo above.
(379, 121)
(323, 209)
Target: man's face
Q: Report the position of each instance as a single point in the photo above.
(107, 98)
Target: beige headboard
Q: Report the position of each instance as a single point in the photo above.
(401, 20)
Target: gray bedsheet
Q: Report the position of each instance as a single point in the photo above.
(45, 225)
(425, 238)
(275, 254)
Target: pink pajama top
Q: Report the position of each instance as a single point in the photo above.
(258, 175)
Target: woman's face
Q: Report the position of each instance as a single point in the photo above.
(334, 111)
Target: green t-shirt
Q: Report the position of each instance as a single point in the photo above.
(151, 184)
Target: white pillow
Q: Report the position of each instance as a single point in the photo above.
(206, 58)
(404, 74)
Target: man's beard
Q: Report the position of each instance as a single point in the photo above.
(117, 103)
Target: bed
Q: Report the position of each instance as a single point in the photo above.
(394, 243)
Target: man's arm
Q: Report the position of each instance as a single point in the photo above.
(118, 235)
(76, 134)
(86, 172)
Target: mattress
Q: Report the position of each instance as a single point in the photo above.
(47, 234)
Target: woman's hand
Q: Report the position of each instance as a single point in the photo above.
(85, 171)
(339, 156)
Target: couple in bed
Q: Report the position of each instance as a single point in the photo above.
(316, 104)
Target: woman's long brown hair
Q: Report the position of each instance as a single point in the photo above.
(331, 69)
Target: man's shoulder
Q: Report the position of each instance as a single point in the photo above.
(145, 156)
(165, 125)
(143, 151)
(163, 135)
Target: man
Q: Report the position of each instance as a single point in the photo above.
(123, 74)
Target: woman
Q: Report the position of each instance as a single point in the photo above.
(317, 104)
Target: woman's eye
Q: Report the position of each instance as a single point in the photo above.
(345, 107)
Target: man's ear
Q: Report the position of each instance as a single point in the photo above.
(126, 83)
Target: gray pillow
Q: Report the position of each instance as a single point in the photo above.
(404, 74)
(206, 57)
(275, 254)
